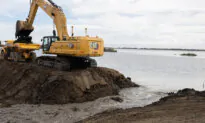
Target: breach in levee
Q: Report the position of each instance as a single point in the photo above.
(72, 51)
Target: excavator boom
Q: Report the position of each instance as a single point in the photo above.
(24, 28)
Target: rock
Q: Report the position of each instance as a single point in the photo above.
(117, 99)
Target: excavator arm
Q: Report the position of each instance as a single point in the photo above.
(24, 28)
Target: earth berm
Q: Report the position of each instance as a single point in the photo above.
(186, 106)
(23, 83)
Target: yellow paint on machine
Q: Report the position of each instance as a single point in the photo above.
(22, 46)
(18, 51)
(78, 46)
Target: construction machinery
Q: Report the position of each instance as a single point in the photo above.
(17, 51)
(71, 51)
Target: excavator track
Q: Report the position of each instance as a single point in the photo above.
(66, 63)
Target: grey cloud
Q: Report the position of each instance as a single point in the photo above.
(124, 22)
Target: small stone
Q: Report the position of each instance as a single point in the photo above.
(117, 99)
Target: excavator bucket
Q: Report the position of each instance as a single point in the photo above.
(22, 29)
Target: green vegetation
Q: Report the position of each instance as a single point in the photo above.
(109, 49)
(188, 54)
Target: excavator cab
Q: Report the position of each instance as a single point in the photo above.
(47, 42)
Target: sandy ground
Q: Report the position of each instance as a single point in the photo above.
(186, 106)
(69, 113)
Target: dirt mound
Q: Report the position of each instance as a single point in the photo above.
(186, 105)
(29, 83)
(187, 93)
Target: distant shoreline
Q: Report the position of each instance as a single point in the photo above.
(168, 49)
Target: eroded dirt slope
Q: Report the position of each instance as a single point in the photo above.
(29, 83)
(186, 106)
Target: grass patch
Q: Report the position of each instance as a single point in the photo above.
(109, 49)
(189, 54)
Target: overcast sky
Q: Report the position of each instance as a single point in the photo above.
(143, 23)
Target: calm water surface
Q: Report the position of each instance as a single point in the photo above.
(159, 70)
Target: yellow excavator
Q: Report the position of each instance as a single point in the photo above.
(72, 51)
